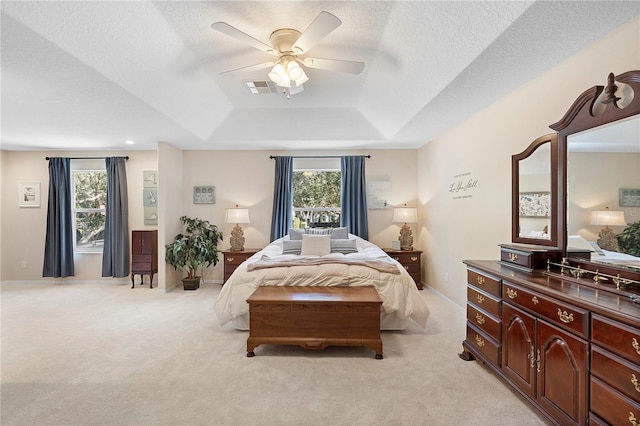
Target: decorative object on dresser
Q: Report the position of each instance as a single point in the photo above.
(405, 215)
(411, 260)
(144, 255)
(560, 321)
(194, 248)
(237, 215)
(315, 317)
(233, 259)
(607, 238)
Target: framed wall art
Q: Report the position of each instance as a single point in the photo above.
(204, 195)
(29, 194)
(535, 204)
(629, 197)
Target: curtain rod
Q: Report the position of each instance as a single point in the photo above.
(85, 158)
(319, 156)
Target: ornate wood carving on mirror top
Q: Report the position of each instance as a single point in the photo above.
(613, 104)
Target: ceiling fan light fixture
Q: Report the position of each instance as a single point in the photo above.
(277, 74)
(302, 79)
(295, 70)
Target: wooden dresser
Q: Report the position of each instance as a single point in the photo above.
(232, 259)
(570, 348)
(144, 255)
(410, 259)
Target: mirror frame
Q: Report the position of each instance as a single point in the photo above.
(552, 139)
(579, 117)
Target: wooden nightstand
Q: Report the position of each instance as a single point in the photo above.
(234, 258)
(410, 259)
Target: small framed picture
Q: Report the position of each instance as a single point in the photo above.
(395, 245)
(204, 195)
(629, 197)
(29, 194)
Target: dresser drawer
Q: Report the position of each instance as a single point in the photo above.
(560, 313)
(406, 258)
(618, 338)
(485, 322)
(484, 344)
(484, 301)
(236, 259)
(616, 372)
(612, 406)
(412, 268)
(141, 258)
(486, 283)
(141, 267)
(527, 257)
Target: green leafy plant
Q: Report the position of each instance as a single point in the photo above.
(629, 239)
(198, 245)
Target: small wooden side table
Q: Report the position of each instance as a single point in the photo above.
(232, 259)
(410, 259)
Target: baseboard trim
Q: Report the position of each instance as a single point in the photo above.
(459, 308)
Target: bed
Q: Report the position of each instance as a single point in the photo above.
(355, 262)
(599, 255)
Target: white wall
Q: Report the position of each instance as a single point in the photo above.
(240, 177)
(23, 229)
(472, 228)
(593, 181)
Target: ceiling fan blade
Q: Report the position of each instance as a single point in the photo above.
(227, 29)
(317, 30)
(250, 68)
(351, 67)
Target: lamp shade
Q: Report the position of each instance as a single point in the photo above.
(236, 215)
(405, 215)
(608, 218)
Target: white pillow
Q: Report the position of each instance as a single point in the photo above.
(578, 242)
(316, 245)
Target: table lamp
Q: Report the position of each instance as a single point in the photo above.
(405, 215)
(237, 215)
(606, 238)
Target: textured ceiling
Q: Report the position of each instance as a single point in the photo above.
(90, 75)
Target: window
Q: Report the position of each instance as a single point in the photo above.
(89, 209)
(316, 196)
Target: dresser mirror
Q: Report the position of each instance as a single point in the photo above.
(534, 196)
(599, 149)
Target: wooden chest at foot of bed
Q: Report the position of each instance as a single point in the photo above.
(315, 317)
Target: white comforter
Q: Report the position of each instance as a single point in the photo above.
(398, 292)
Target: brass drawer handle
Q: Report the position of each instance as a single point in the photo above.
(480, 319)
(636, 345)
(633, 420)
(229, 259)
(480, 299)
(538, 369)
(635, 382)
(535, 300)
(414, 259)
(396, 258)
(480, 279)
(479, 341)
(513, 257)
(532, 357)
(564, 316)
(406, 267)
(511, 293)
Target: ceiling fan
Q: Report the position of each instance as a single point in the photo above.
(288, 45)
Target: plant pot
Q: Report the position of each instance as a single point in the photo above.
(191, 283)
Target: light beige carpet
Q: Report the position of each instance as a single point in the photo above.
(98, 354)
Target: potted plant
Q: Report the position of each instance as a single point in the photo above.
(629, 239)
(198, 245)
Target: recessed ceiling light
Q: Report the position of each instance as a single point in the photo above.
(129, 142)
